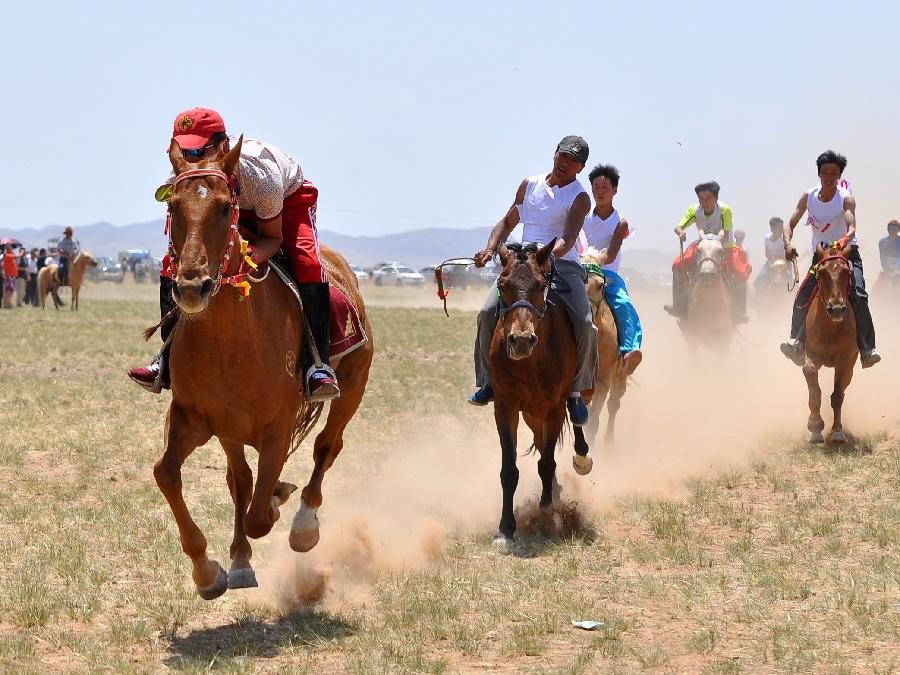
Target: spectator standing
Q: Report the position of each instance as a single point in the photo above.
(31, 290)
(10, 272)
(22, 276)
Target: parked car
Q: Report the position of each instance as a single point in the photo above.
(361, 274)
(396, 274)
(107, 269)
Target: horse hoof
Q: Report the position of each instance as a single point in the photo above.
(304, 530)
(244, 577)
(502, 543)
(282, 492)
(304, 540)
(838, 437)
(582, 464)
(216, 588)
(816, 437)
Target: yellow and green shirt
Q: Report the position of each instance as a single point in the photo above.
(717, 221)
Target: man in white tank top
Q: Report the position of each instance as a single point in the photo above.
(774, 249)
(604, 229)
(548, 205)
(832, 217)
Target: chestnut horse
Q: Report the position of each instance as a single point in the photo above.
(533, 362)
(708, 321)
(830, 337)
(48, 279)
(612, 372)
(234, 375)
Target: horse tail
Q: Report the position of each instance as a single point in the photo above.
(560, 440)
(307, 417)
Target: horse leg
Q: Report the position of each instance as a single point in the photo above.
(615, 402)
(550, 431)
(843, 373)
(183, 435)
(353, 373)
(815, 424)
(507, 421)
(263, 511)
(601, 391)
(240, 485)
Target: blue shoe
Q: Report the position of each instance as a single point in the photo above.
(578, 411)
(481, 397)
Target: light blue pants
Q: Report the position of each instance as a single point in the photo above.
(628, 322)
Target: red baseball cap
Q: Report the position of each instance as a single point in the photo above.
(193, 128)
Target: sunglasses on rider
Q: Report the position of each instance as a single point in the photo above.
(199, 152)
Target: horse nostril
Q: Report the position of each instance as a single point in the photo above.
(532, 340)
(206, 287)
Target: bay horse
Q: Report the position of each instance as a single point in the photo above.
(533, 362)
(48, 279)
(612, 372)
(830, 336)
(708, 322)
(234, 368)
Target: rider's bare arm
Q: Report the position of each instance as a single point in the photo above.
(269, 239)
(850, 217)
(574, 223)
(502, 229)
(615, 245)
(789, 251)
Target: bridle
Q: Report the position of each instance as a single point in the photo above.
(522, 252)
(241, 279)
(844, 262)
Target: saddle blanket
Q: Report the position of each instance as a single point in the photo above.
(347, 332)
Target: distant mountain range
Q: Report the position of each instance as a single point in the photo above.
(415, 248)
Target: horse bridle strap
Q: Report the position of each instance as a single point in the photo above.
(240, 279)
(539, 313)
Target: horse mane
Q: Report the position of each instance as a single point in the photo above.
(592, 255)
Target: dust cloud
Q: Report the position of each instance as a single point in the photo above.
(683, 416)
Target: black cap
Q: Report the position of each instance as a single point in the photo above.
(575, 146)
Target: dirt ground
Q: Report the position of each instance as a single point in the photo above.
(708, 538)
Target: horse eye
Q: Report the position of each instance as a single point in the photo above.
(226, 210)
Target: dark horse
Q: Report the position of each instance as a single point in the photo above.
(234, 374)
(533, 362)
(830, 337)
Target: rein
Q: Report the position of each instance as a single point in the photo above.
(439, 278)
(242, 278)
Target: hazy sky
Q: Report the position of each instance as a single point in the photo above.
(411, 115)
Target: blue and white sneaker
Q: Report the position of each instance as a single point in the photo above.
(481, 397)
(578, 412)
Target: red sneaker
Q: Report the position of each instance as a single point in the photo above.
(322, 386)
(149, 377)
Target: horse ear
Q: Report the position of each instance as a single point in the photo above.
(845, 251)
(543, 256)
(504, 254)
(820, 251)
(231, 159)
(179, 163)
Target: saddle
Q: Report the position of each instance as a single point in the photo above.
(347, 332)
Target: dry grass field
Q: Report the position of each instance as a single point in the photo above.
(711, 538)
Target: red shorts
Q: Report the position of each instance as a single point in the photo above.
(735, 262)
(299, 240)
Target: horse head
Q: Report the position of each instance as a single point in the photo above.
(85, 259)
(522, 288)
(201, 207)
(592, 259)
(709, 257)
(833, 278)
